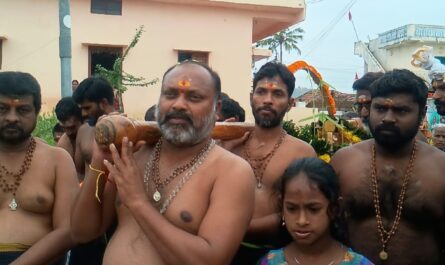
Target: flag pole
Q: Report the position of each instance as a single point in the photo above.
(353, 25)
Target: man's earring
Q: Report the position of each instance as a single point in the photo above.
(283, 223)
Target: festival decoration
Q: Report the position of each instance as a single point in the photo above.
(326, 134)
(316, 76)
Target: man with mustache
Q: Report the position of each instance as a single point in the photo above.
(269, 150)
(439, 94)
(363, 96)
(184, 200)
(70, 119)
(37, 181)
(393, 186)
(95, 97)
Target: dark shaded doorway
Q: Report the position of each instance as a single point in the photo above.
(104, 56)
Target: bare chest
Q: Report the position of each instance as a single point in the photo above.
(269, 166)
(34, 192)
(423, 196)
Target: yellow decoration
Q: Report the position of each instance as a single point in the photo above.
(325, 157)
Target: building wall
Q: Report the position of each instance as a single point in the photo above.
(399, 57)
(226, 33)
(394, 48)
(298, 113)
(32, 43)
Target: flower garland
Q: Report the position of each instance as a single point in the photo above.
(316, 76)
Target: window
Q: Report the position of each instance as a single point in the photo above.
(105, 56)
(106, 7)
(202, 57)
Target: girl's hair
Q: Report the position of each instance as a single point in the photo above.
(323, 176)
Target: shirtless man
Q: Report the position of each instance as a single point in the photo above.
(395, 183)
(183, 201)
(439, 95)
(363, 100)
(70, 119)
(269, 150)
(38, 182)
(363, 96)
(94, 96)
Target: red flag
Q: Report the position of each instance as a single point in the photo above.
(350, 16)
(356, 76)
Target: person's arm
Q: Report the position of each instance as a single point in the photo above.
(232, 145)
(89, 217)
(221, 229)
(266, 226)
(54, 245)
(79, 159)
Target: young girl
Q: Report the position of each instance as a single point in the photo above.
(309, 194)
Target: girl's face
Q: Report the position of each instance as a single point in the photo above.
(305, 211)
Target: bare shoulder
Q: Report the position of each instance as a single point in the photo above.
(352, 151)
(65, 143)
(350, 160)
(84, 129)
(52, 153)
(229, 165)
(298, 147)
(431, 158)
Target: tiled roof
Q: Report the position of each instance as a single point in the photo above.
(313, 98)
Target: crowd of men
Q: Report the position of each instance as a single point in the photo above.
(188, 200)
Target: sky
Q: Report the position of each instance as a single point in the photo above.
(333, 54)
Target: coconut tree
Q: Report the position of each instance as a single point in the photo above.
(286, 39)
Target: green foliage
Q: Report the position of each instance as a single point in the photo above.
(308, 134)
(118, 78)
(44, 127)
(364, 135)
(286, 39)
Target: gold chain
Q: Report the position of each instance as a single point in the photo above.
(385, 235)
(259, 165)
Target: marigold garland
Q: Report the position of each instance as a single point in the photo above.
(316, 76)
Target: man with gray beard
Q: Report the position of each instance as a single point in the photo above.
(269, 150)
(171, 199)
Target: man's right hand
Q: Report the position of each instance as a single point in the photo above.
(231, 145)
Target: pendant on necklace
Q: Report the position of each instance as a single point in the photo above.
(13, 204)
(383, 255)
(157, 196)
(259, 185)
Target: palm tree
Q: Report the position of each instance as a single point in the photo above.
(286, 39)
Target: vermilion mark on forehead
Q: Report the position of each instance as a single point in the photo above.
(363, 99)
(13, 102)
(184, 83)
(388, 103)
(271, 84)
